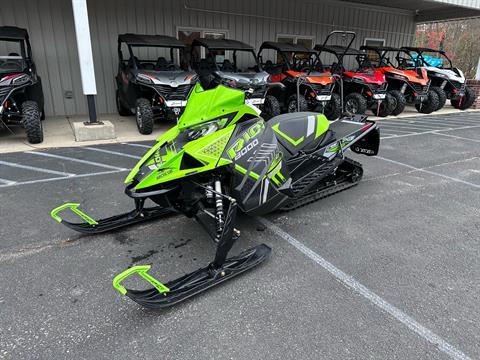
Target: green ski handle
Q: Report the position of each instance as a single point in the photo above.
(74, 208)
(141, 270)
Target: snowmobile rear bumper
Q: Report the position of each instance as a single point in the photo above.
(165, 295)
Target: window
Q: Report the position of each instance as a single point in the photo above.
(372, 55)
(187, 36)
(306, 41)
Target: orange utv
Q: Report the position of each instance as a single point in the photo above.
(306, 86)
(407, 83)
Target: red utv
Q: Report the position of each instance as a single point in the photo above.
(363, 86)
(407, 83)
(306, 86)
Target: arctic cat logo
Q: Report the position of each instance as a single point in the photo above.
(358, 149)
(238, 149)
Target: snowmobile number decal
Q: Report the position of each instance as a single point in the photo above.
(243, 145)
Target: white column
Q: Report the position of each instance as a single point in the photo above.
(84, 45)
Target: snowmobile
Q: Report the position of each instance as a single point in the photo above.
(235, 64)
(222, 157)
(363, 87)
(448, 82)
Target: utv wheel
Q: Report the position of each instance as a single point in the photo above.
(144, 116)
(442, 96)
(31, 122)
(465, 102)
(271, 107)
(355, 103)
(398, 102)
(122, 110)
(333, 109)
(385, 107)
(429, 106)
(292, 104)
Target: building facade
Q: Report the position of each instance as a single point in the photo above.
(52, 31)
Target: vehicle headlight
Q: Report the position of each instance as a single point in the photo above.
(144, 79)
(205, 129)
(358, 79)
(23, 79)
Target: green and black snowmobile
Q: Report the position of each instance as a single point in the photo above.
(220, 157)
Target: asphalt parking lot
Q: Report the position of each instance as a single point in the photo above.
(388, 269)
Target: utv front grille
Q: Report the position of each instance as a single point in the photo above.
(173, 93)
(420, 89)
(322, 89)
(378, 88)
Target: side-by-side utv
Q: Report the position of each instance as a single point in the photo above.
(307, 86)
(407, 84)
(155, 88)
(448, 82)
(363, 86)
(233, 63)
(21, 94)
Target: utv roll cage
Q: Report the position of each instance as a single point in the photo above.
(338, 51)
(212, 45)
(138, 40)
(285, 49)
(420, 58)
(18, 35)
(381, 51)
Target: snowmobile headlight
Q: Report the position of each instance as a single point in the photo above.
(21, 80)
(144, 79)
(205, 129)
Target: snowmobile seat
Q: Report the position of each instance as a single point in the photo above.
(301, 131)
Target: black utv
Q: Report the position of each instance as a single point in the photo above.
(155, 88)
(234, 64)
(21, 94)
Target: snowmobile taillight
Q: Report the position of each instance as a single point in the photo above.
(365, 127)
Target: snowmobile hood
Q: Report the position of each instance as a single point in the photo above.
(370, 77)
(410, 75)
(315, 77)
(171, 78)
(197, 142)
(446, 73)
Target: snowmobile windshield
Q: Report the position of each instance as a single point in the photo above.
(12, 64)
(217, 105)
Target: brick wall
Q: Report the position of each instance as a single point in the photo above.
(475, 85)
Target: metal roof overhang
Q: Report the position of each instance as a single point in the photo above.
(430, 10)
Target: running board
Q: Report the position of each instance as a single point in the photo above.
(92, 226)
(162, 296)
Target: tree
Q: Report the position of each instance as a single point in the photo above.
(459, 39)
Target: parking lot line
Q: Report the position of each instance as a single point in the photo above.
(112, 152)
(61, 178)
(353, 284)
(432, 131)
(457, 137)
(7, 182)
(395, 127)
(137, 145)
(430, 172)
(74, 159)
(33, 168)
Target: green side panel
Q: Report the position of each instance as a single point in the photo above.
(243, 171)
(322, 125)
(166, 137)
(141, 270)
(294, 142)
(73, 207)
(213, 149)
(204, 105)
